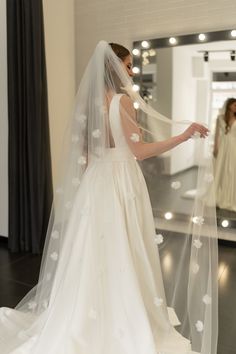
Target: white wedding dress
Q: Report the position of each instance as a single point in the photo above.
(225, 167)
(113, 275)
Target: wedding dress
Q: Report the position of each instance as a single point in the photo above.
(100, 289)
(225, 167)
(119, 287)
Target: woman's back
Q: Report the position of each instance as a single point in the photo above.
(115, 122)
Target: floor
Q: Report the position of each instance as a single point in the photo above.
(227, 299)
(164, 198)
(19, 273)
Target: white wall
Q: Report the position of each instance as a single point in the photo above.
(59, 28)
(164, 80)
(183, 106)
(126, 20)
(3, 124)
(162, 93)
(60, 57)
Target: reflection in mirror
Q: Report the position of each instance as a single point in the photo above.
(190, 78)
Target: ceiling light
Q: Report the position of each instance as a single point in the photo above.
(145, 44)
(168, 215)
(233, 33)
(225, 223)
(201, 37)
(136, 70)
(172, 40)
(136, 51)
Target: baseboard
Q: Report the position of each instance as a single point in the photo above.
(3, 239)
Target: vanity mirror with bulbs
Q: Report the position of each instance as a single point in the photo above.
(186, 77)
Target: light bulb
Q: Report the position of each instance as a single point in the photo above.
(233, 33)
(145, 54)
(225, 223)
(136, 87)
(136, 70)
(168, 215)
(152, 52)
(136, 105)
(202, 37)
(145, 44)
(172, 40)
(136, 51)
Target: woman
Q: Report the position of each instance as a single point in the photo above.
(100, 288)
(225, 157)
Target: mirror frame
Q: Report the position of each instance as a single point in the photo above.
(164, 42)
(181, 40)
(185, 39)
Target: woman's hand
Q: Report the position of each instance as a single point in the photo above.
(194, 130)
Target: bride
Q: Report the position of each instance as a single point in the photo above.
(100, 288)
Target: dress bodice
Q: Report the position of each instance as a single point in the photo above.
(120, 151)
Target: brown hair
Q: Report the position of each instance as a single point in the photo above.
(120, 51)
(111, 76)
(229, 102)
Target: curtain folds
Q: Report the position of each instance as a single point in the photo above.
(30, 176)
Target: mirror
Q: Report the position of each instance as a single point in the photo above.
(190, 78)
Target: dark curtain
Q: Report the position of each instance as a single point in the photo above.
(30, 176)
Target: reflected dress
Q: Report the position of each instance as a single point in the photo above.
(225, 167)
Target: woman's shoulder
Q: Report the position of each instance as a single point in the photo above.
(221, 123)
(124, 97)
(126, 101)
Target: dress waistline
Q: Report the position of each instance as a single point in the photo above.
(114, 154)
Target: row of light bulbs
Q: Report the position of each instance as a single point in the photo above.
(172, 40)
(168, 216)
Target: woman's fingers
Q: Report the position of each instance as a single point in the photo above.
(198, 130)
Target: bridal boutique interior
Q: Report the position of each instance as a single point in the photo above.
(205, 65)
(184, 58)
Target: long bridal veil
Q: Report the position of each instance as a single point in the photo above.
(186, 235)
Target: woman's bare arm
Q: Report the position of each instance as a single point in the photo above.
(139, 148)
